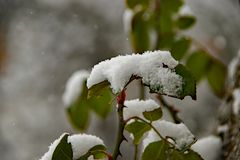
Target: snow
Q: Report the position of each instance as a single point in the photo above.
(74, 87)
(186, 11)
(223, 128)
(136, 107)
(52, 147)
(179, 132)
(232, 70)
(236, 102)
(208, 147)
(149, 66)
(127, 19)
(81, 143)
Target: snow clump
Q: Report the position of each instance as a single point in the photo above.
(136, 108)
(208, 147)
(155, 68)
(178, 132)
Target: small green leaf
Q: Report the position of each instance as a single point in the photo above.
(165, 24)
(186, 22)
(165, 41)
(156, 151)
(140, 36)
(216, 76)
(189, 82)
(198, 63)
(97, 89)
(78, 114)
(154, 115)
(133, 3)
(170, 6)
(96, 151)
(187, 155)
(101, 105)
(63, 150)
(137, 128)
(180, 47)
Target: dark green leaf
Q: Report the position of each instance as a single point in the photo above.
(101, 105)
(133, 3)
(156, 151)
(137, 128)
(198, 63)
(180, 48)
(189, 82)
(216, 76)
(140, 33)
(153, 115)
(63, 150)
(185, 22)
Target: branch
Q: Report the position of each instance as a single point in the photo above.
(173, 111)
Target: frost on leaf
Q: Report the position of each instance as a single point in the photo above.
(158, 70)
(178, 133)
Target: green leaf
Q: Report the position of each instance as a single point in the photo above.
(137, 128)
(133, 3)
(153, 115)
(96, 90)
(165, 41)
(187, 155)
(156, 151)
(216, 76)
(189, 82)
(198, 63)
(96, 151)
(180, 47)
(78, 114)
(63, 150)
(186, 22)
(165, 24)
(101, 105)
(140, 32)
(170, 6)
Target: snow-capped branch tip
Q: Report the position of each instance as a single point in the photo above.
(74, 87)
(80, 144)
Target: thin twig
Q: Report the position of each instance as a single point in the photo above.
(173, 111)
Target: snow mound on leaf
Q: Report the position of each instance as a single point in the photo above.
(208, 147)
(180, 134)
(51, 148)
(82, 143)
(155, 68)
(136, 108)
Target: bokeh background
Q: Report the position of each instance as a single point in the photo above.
(42, 42)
